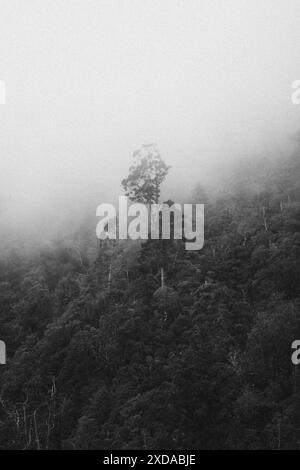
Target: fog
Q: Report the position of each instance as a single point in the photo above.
(88, 82)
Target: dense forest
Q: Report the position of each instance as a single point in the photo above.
(103, 354)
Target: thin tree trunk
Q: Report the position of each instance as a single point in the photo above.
(162, 277)
(37, 439)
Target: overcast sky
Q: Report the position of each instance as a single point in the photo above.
(89, 81)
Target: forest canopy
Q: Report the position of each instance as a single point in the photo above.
(144, 345)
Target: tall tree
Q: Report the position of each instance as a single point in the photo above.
(145, 175)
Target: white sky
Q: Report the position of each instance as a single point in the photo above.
(89, 81)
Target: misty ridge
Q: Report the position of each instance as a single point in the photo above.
(124, 344)
(114, 344)
(87, 86)
(29, 229)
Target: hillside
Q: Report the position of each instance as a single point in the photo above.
(101, 356)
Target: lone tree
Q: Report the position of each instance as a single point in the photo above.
(145, 175)
(143, 185)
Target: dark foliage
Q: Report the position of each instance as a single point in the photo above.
(100, 356)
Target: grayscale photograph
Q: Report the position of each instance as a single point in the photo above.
(149, 229)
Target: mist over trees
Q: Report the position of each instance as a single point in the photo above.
(105, 350)
(146, 175)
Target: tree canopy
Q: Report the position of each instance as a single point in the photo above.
(93, 362)
(146, 175)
